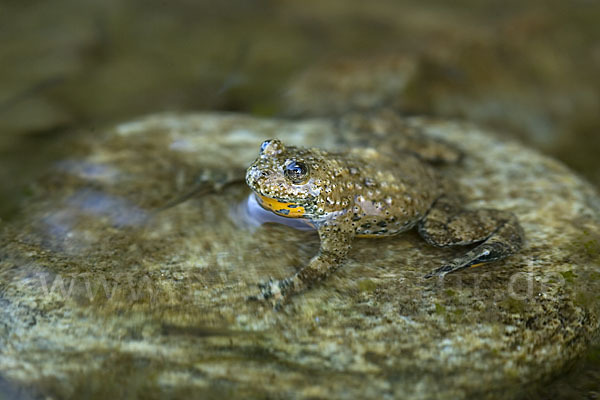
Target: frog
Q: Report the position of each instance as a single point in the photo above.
(368, 192)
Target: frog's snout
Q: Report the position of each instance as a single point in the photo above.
(254, 176)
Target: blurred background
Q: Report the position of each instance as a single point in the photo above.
(528, 69)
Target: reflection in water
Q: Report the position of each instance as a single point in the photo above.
(87, 170)
(70, 228)
(250, 215)
(9, 391)
(119, 211)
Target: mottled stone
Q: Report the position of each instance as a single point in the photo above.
(152, 303)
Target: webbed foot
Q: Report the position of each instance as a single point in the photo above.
(493, 249)
(441, 271)
(448, 224)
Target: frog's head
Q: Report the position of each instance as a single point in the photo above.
(286, 179)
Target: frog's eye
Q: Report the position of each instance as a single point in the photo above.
(264, 145)
(296, 171)
(271, 147)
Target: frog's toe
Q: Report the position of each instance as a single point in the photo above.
(441, 272)
(264, 287)
(273, 291)
(265, 291)
(257, 297)
(275, 303)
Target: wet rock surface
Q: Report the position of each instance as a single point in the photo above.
(102, 294)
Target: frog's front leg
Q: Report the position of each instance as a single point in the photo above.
(335, 244)
(448, 224)
(211, 180)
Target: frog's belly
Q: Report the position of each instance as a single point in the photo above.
(384, 218)
(382, 228)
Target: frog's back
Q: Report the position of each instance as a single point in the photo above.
(391, 192)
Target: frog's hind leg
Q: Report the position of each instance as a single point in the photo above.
(389, 132)
(448, 224)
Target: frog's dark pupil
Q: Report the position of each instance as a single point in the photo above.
(295, 171)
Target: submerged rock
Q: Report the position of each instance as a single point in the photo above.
(104, 295)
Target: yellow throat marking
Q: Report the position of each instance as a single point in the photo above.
(289, 210)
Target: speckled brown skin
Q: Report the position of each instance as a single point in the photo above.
(366, 192)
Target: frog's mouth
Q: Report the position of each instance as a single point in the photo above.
(290, 210)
